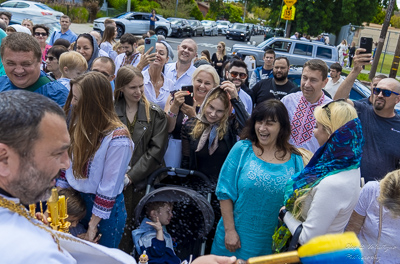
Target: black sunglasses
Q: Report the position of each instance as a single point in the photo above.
(326, 107)
(385, 93)
(43, 34)
(50, 58)
(240, 74)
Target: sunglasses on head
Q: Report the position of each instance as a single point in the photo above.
(385, 93)
(326, 107)
(241, 74)
(43, 34)
(50, 58)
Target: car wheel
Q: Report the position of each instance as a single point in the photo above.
(194, 33)
(161, 32)
(203, 33)
(179, 35)
(120, 31)
(227, 37)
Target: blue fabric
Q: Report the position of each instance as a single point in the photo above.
(158, 251)
(69, 35)
(2, 35)
(112, 228)
(53, 90)
(256, 189)
(260, 70)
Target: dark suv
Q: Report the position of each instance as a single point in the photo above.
(239, 31)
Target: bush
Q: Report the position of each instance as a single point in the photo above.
(78, 14)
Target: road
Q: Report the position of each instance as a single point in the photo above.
(203, 43)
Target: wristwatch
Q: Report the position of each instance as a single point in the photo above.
(170, 114)
(282, 214)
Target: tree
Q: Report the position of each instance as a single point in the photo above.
(395, 21)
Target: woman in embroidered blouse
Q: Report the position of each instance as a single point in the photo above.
(100, 151)
(252, 181)
(147, 124)
(108, 41)
(218, 59)
(41, 33)
(323, 196)
(156, 85)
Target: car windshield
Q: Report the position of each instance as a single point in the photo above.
(44, 7)
(123, 15)
(222, 23)
(192, 23)
(176, 22)
(264, 43)
(208, 23)
(238, 26)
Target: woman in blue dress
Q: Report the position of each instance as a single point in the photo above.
(252, 181)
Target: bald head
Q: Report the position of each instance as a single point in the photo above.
(390, 84)
(96, 35)
(187, 50)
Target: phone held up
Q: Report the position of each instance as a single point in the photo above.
(366, 43)
(189, 97)
(148, 43)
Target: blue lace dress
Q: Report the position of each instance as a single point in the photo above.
(256, 188)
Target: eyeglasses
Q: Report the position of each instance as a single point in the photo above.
(241, 75)
(43, 34)
(219, 47)
(50, 58)
(326, 107)
(385, 93)
(104, 73)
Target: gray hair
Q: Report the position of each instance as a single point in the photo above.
(20, 115)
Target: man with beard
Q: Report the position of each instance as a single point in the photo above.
(34, 143)
(380, 123)
(181, 71)
(276, 87)
(301, 105)
(130, 56)
(237, 74)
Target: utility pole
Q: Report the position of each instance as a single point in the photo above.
(244, 10)
(381, 40)
(396, 60)
(176, 8)
(128, 6)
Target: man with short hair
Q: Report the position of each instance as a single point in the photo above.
(181, 71)
(21, 56)
(301, 105)
(237, 74)
(106, 66)
(6, 16)
(374, 84)
(335, 80)
(380, 123)
(265, 71)
(276, 87)
(130, 56)
(65, 32)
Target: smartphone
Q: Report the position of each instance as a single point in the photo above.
(148, 43)
(366, 43)
(189, 97)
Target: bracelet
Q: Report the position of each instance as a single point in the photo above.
(282, 214)
(170, 114)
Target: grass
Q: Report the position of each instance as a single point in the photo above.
(360, 77)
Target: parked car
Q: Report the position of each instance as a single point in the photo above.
(223, 26)
(53, 24)
(210, 27)
(136, 23)
(27, 9)
(198, 28)
(180, 27)
(239, 31)
(297, 51)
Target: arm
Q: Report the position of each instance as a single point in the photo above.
(232, 240)
(186, 129)
(92, 229)
(355, 223)
(146, 58)
(179, 99)
(158, 227)
(213, 259)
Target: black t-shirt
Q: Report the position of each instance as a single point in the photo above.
(263, 90)
(381, 151)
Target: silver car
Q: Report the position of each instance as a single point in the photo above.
(136, 23)
(223, 25)
(210, 27)
(27, 9)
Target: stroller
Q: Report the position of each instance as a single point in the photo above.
(193, 214)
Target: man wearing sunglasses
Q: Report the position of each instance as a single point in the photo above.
(380, 123)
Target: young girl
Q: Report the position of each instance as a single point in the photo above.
(108, 41)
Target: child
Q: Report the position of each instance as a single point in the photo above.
(76, 210)
(72, 64)
(152, 235)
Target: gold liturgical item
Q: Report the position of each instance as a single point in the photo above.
(57, 209)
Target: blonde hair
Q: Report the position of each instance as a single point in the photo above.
(116, 46)
(72, 60)
(124, 76)
(223, 127)
(209, 69)
(223, 47)
(306, 155)
(389, 196)
(140, 49)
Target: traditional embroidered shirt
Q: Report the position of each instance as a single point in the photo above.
(301, 114)
(185, 79)
(121, 60)
(105, 172)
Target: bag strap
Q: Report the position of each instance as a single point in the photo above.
(379, 233)
(39, 83)
(274, 88)
(295, 238)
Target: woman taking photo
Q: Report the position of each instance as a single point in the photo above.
(87, 46)
(322, 197)
(219, 58)
(41, 33)
(252, 182)
(100, 152)
(52, 65)
(156, 85)
(110, 33)
(147, 124)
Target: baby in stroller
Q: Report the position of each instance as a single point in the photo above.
(152, 237)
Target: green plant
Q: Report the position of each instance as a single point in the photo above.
(78, 14)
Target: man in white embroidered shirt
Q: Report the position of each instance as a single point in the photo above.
(301, 105)
(181, 71)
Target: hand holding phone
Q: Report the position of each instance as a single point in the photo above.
(189, 97)
(366, 43)
(148, 43)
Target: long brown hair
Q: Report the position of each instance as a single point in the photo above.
(91, 118)
(109, 33)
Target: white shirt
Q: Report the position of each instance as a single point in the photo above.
(120, 58)
(332, 87)
(246, 100)
(150, 93)
(185, 79)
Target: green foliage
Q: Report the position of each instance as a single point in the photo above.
(196, 13)
(185, 8)
(117, 4)
(78, 14)
(379, 18)
(395, 21)
(260, 12)
(233, 13)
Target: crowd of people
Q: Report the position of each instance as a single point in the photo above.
(95, 117)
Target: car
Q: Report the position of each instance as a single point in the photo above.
(210, 27)
(198, 28)
(137, 23)
(297, 51)
(223, 25)
(27, 9)
(239, 31)
(53, 24)
(180, 27)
